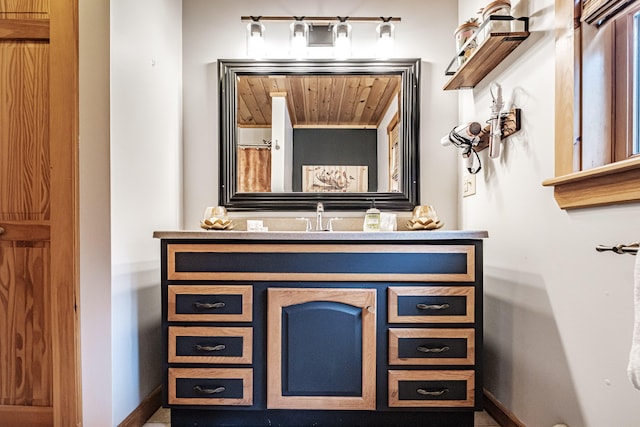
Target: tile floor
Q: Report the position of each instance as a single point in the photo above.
(162, 418)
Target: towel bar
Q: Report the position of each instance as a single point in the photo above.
(631, 249)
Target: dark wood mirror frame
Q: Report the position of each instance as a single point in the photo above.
(405, 200)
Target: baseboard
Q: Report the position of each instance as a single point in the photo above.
(145, 410)
(499, 412)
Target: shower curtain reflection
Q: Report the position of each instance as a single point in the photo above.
(254, 170)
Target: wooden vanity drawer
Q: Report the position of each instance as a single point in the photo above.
(431, 346)
(210, 303)
(192, 344)
(431, 304)
(431, 388)
(210, 386)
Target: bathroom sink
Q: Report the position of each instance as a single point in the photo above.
(299, 223)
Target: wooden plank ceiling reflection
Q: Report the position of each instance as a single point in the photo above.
(357, 101)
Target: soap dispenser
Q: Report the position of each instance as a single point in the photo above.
(371, 219)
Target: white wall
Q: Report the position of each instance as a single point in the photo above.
(95, 213)
(558, 314)
(146, 185)
(212, 31)
(253, 136)
(282, 147)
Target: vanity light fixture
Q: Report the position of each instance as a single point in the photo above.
(303, 34)
(386, 39)
(255, 38)
(342, 39)
(298, 38)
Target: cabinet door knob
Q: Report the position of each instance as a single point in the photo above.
(1, 230)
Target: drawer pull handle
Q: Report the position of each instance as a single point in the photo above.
(202, 390)
(218, 347)
(432, 306)
(2, 230)
(207, 305)
(424, 349)
(432, 393)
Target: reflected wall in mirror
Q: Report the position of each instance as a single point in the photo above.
(293, 133)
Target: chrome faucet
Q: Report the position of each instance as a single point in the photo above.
(320, 226)
(319, 212)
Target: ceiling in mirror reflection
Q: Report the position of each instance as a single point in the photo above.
(332, 101)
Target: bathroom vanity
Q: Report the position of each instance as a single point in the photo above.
(323, 329)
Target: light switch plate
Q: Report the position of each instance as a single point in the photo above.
(468, 185)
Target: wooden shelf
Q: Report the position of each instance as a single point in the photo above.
(485, 58)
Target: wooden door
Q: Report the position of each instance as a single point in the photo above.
(39, 375)
(321, 348)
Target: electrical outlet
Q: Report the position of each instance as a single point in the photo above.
(468, 185)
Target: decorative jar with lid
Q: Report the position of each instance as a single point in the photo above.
(497, 8)
(462, 34)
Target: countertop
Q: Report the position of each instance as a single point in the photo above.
(322, 235)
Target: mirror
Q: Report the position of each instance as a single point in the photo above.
(294, 133)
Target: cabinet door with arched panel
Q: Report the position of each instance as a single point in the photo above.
(321, 351)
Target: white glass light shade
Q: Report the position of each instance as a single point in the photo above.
(386, 40)
(298, 39)
(342, 40)
(255, 40)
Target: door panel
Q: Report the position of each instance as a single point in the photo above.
(24, 133)
(26, 348)
(322, 344)
(25, 339)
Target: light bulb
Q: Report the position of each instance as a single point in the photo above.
(342, 40)
(298, 41)
(386, 42)
(255, 40)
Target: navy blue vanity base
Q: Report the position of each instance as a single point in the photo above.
(360, 331)
(283, 418)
